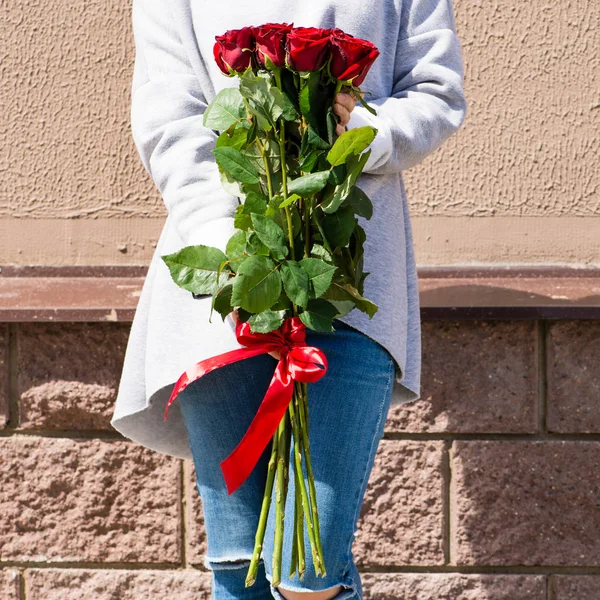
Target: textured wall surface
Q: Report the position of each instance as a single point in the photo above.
(528, 147)
(487, 488)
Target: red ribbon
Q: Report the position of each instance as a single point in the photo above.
(298, 362)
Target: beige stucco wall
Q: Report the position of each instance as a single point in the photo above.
(518, 183)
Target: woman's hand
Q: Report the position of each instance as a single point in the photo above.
(234, 316)
(343, 105)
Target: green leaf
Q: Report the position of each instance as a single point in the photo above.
(263, 99)
(343, 306)
(236, 164)
(284, 303)
(320, 252)
(338, 227)
(254, 246)
(266, 321)
(255, 203)
(236, 246)
(310, 101)
(295, 282)
(226, 108)
(338, 175)
(241, 220)
(236, 139)
(331, 122)
(195, 268)
(309, 161)
(257, 285)
(345, 291)
(289, 200)
(254, 155)
(222, 301)
(318, 315)
(359, 202)
(315, 140)
(309, 184)
(353, 141)
(334, 199)
(289, 111)
(319, 273)
(270, 234)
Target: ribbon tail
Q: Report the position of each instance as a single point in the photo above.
(210, 364)
(239, 464)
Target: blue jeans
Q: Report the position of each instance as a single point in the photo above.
(347, 410)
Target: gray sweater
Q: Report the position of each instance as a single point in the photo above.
(416, 87)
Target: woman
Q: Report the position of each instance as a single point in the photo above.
(416, 87)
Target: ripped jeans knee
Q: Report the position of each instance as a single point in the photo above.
(229, 579)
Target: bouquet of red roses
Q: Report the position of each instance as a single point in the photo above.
(296, 258)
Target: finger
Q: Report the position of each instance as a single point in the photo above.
(342, 112)
(346, 100)
(339, 129)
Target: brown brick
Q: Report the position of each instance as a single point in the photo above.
(575, 587)
(574, 376)
(69, 373)
(3, 375)
(194, 518)
(452, 586)
(401, 518)
(88, 500)
(526, 503)
(478, 376)
(81, 584)
(10, 585)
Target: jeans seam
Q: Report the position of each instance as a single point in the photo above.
(374, 444)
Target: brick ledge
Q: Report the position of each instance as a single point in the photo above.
(110, 293)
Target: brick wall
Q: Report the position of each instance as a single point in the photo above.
(488, 488)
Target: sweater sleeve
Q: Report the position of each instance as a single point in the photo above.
(427, 103)
(167, 106)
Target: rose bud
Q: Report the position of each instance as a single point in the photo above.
(234, 50)
(270, 43)
(351, 57)
(307, 48)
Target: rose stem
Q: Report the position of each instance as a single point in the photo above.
(264, 513)
(305, 501)
(279, 506)
(267, 168)
(303, 410)
(288, 214)
(298, 508)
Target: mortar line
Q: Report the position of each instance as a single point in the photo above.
(549, 570)
(183, 508)
(70, 434)
(549, 587)
(22, 586)
(503, 437)
(451, 507)
(13, 381)
(446, 482)
(542, 380)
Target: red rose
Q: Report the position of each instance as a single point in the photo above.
(234, 50)
(270, 41)
(307, 48)
(351, 58)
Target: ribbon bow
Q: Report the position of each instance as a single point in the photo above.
(298, 362)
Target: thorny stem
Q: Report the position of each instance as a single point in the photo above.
(263, 153)
(288, 213)
(279, 503)
(317, 557)
(264, 513)
(299, 534)
(302, 393)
